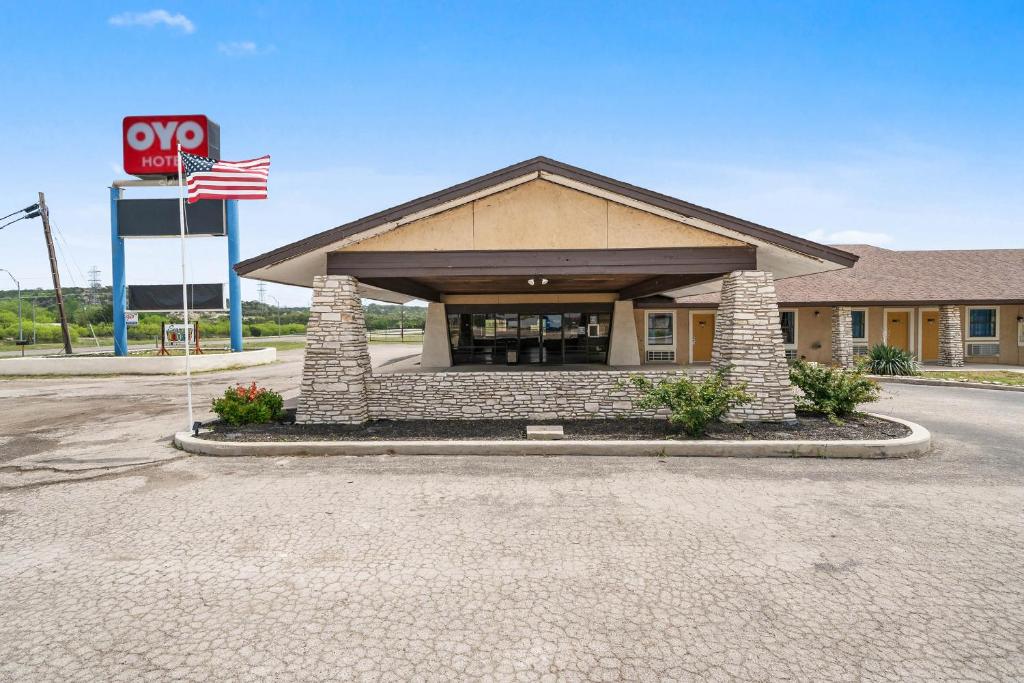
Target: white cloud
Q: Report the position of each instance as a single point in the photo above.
(242, 48)
(153, 18)
(850, 237)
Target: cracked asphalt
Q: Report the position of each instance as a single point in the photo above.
(492, 568)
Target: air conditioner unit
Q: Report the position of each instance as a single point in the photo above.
(860, 349)
(982, 349)
(661, 356)
(790, 354)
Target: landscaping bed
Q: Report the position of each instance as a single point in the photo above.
(808, 427)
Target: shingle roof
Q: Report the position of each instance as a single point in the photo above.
(888, 276)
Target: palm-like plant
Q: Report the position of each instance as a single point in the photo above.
(890, 360)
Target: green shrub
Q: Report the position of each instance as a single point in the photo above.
(248, 405)
(833, 392)
(693, 405)
(889, 360)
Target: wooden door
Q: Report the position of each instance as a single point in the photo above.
(703, 337)
(897, 329)
(929, 335)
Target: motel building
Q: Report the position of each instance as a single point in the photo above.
(547, 285)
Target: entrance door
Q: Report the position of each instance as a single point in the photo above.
(703, 333)
(929, 335)
(529, 339)
(897, 329)
(551, 329)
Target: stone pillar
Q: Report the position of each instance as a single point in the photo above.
(951, 337)
(437, 347)
(842, 336)
(337, 355)
(748, 339)
(623, 349)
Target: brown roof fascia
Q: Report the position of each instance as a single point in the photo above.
(666, 302)
(543, 164)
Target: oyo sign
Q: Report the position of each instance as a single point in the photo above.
(150, 143)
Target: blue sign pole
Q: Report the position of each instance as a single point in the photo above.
(234, 282)
(117, 268)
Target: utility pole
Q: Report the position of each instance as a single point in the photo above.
(45, 212)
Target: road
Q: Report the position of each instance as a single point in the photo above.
(494, 568)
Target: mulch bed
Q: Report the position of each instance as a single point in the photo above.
(807, 427)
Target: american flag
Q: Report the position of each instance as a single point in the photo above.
(212, 179)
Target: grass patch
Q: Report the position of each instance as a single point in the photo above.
(1014, 379)
(279, 345)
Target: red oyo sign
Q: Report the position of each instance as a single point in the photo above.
(151, 142)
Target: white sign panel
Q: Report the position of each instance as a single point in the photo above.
(131, 319)
(174, 335)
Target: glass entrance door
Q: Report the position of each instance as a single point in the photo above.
(529, 339)
(552, 338)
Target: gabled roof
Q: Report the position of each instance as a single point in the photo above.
(545, 165)
(884, 276)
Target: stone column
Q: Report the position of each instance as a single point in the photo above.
(337, 355)
(437, 347)
(623, 350)
(842, 336)
(748, 339)
(951, 337)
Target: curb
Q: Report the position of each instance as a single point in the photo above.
(918, 442)
(924, 381)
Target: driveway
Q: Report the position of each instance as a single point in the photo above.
(91, 424)
(531, 568)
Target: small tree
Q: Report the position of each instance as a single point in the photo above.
(693, 405)
(833, 392)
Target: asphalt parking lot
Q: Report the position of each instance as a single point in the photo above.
(517, 568)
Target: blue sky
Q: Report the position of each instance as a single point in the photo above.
(893, 123)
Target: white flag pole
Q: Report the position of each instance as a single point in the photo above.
(184, 284)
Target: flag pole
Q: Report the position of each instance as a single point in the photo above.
(184, 284)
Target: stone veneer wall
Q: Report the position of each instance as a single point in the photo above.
(951, 337)
(748, 340)
(842, 336)
(337, 355)
(560, 394)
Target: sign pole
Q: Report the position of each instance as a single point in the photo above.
(117, 270)
(234, 282)
(184, 284)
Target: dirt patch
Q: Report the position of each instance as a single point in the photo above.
(807, 427)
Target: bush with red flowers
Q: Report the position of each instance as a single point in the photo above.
(243, 405)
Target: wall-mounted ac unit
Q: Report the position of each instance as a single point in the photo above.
(860, 349)
(661, 356)
(982, 349)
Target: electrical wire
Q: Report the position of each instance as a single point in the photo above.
(11, 222)
(62, 257)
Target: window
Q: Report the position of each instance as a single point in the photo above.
(788, 320)
(860, 324)
(659, 329)
(982, 323)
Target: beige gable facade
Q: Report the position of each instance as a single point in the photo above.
(541, 215)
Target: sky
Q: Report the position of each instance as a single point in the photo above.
(892, 123)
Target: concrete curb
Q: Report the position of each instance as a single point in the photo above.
(924, 381)
(132, 365)
(918, 442)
